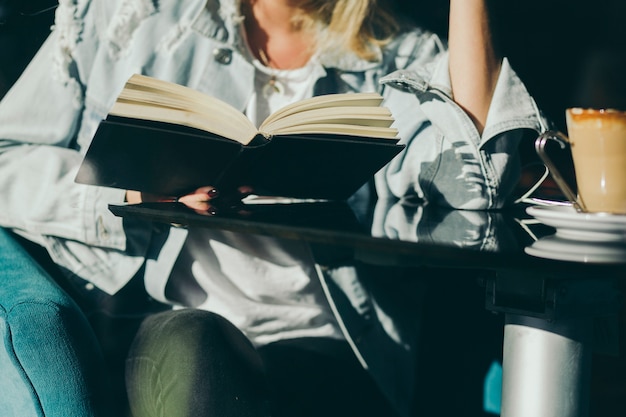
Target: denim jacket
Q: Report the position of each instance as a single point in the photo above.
(50, 115)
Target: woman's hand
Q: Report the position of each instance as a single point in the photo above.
(474, 64)
(197, 200)
(202, 200)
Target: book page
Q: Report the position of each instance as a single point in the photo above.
(327, 101)
(156, 99)
(223, 121)
(361, 116)
(174, 116)
(169, 90)
(204, 112)
(341, 129)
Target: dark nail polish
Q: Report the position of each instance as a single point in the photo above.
(213, 193)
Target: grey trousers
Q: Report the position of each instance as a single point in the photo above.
(195, 363)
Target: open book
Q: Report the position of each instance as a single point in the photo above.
(168, 139)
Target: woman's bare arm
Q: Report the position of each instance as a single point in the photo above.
(474, 64)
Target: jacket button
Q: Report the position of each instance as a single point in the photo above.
(223, 55)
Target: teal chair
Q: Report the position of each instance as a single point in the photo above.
(50, 361)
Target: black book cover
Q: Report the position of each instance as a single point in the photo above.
(166, 159)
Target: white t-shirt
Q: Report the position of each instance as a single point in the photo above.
(267, 287)
(288, 87)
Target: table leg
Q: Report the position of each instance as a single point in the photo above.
(546, 367)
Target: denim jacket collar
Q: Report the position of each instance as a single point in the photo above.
(226, 26)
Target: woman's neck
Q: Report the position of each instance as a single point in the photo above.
(274, 35)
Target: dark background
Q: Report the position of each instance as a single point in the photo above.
(23, 27)
(568, 52)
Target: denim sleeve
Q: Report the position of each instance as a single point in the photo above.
(42, 120)
(447, 161)
(39, 121)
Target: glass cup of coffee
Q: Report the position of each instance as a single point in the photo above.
(597, 140)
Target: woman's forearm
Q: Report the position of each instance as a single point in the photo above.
(474, 65)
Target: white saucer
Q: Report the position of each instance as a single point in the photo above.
(570, 224)
(556, 247)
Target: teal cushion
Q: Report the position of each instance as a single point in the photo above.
(51, 364)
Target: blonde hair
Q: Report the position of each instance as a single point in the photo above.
(357, 26)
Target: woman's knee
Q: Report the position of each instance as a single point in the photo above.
(196, 361)
(191, 334)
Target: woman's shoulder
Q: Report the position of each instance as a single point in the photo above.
(84, 29)
(106, 10)
(115, 21)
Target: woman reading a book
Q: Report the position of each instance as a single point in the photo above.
(251, 300)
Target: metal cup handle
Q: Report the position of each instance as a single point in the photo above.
(563, 141)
